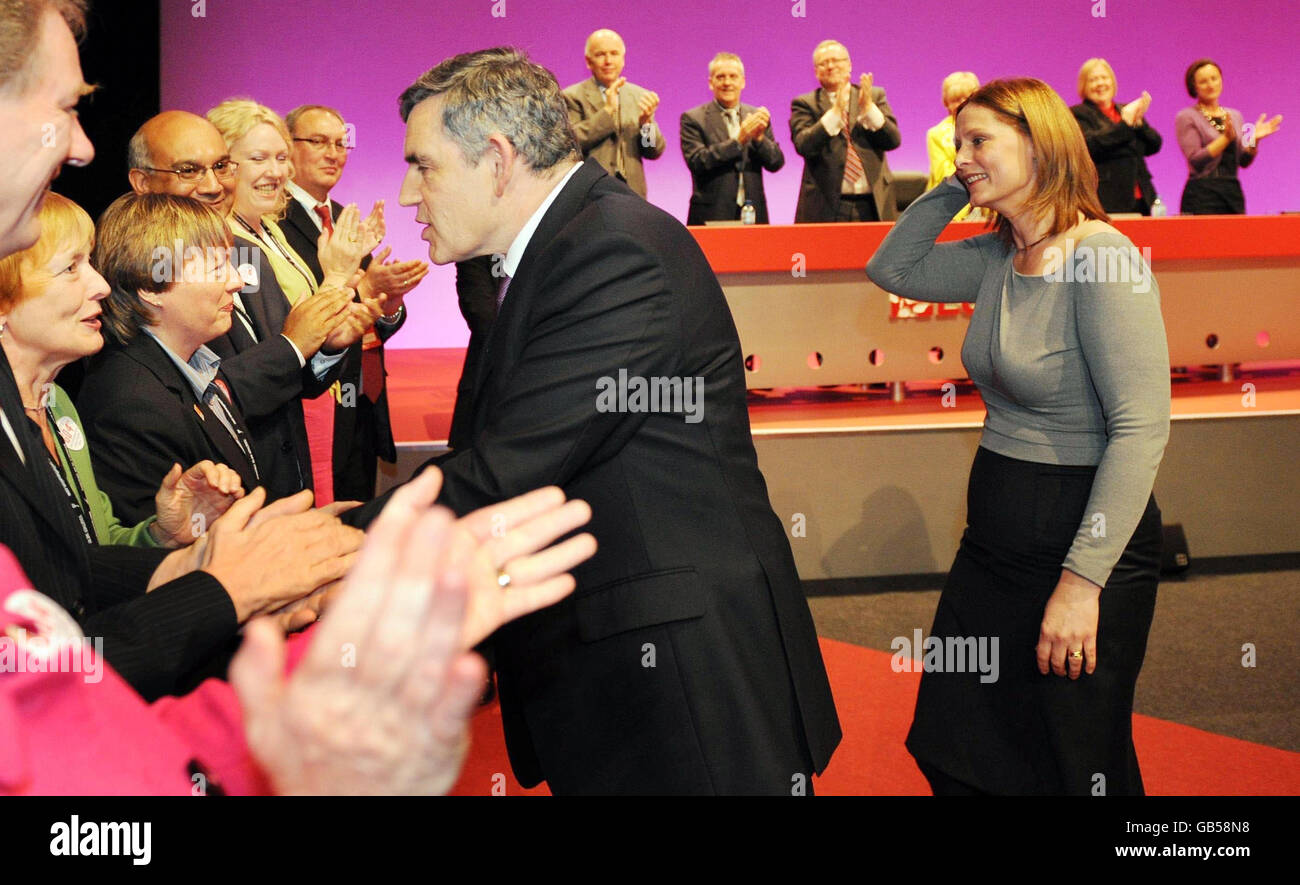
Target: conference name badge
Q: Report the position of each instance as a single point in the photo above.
(71, 434)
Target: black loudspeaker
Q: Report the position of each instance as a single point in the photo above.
(1175, 559)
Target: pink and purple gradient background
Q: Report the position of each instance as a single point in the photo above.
(360, 57)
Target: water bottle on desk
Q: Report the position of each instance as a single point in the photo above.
(1158, 209)
(748, 214)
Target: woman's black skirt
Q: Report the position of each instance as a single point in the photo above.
(1213, 196)
(1023, 732)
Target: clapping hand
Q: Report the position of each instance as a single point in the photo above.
(754, 126)
(611, 96)
(1264, 128)
(354, 238)
(189, 501)
(1135, 111)
(865, 101)
(646, 104)
(393, 278)
(390, 664)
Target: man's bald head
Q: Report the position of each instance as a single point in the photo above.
(180, 142)
(606, 55)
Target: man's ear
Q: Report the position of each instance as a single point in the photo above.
(139, 180)
(504, 159)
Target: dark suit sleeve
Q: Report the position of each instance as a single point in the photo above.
(133, 438)
(388, 330)
(768, 152)
(153, 640)
(806, 130)
(1151, 140)
(887, 137)
(1105, 139)
(265, 376)
(701, 156)
(609, 307)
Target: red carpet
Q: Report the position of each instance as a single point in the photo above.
(875, 706)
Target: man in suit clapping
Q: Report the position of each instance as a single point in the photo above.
(727, 145)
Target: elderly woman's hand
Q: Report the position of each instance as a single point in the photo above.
(188, 502)
(381, 701)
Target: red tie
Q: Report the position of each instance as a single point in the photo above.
(326, 221)
(852, 162)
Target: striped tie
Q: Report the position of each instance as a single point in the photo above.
(852, 162)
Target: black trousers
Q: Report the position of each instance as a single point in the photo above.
(858, 208)
(1213, 196)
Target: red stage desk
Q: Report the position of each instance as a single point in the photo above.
(808, 316)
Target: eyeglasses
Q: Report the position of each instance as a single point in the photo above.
(195, 172)
(832, 62)
(321, 143)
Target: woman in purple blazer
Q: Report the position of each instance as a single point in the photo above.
(1216, 143)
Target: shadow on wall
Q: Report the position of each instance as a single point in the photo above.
(890, 539)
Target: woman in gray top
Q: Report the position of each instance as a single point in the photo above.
(1057, 570)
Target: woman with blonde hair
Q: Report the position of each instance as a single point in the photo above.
(1053, 586)
(259, 141)
(50, 315)
(1119, 139)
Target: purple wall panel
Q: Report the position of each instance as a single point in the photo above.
(359, 58)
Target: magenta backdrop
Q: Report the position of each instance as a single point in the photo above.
(360, 57)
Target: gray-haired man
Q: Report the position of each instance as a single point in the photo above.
(686, 661)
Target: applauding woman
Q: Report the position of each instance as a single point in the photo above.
(1118, 138)
(259, 143)
(1055, 579)
(50, 300)
(1215, 141)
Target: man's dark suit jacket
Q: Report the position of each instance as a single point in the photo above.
(717, 160)
(141, 416)
(356, 424)
(1118, 150)
(686, 660)
(823, 170)
(268, 380)
(152, 640)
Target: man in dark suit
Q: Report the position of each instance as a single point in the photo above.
(839, 184)
(686, 660)
(362, 429)
(727, 145)
(613, 119)
(272, 354)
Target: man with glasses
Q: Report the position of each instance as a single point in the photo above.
(842, 131)
(362, 430)
(183, 154)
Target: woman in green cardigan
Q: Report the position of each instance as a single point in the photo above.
(49, 317)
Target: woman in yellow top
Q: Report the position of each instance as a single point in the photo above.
(259, 144)
(957, 87)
